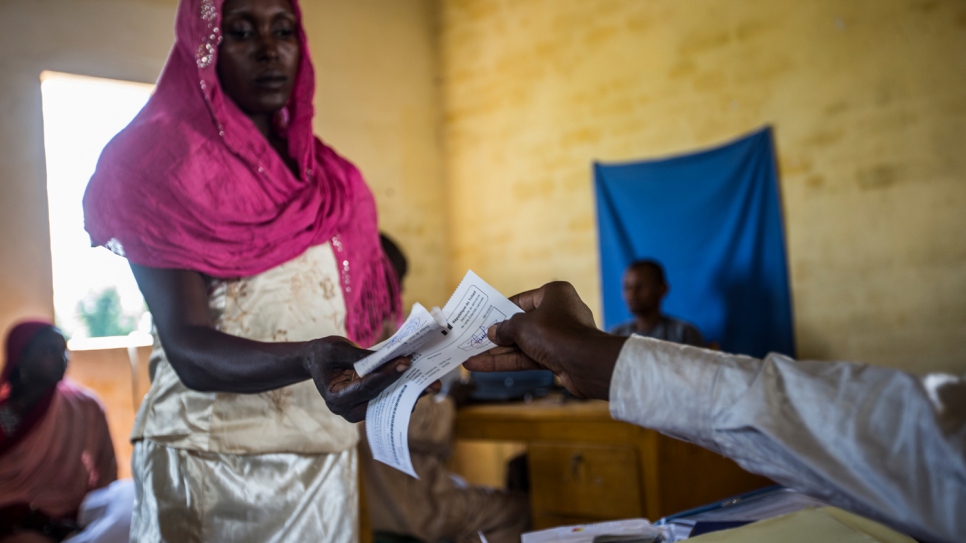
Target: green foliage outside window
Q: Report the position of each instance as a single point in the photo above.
(102, 314)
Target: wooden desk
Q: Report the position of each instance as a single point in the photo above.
(585, 466)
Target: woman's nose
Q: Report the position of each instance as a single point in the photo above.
(267, 48)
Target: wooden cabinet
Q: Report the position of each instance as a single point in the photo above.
(586, 467)
(583, 482)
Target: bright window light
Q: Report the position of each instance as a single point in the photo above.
(95, 294)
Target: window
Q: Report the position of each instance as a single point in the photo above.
(96, 300)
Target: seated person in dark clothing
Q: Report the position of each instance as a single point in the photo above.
(439, 506)
(644, 289)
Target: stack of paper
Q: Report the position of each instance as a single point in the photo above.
(473, 308)
(636, 530)
(420, 327)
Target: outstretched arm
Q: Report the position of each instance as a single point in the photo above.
(206, 359)
(877, 441)
(873, 440)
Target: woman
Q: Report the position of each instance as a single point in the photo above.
(257, 250)
(55, 445)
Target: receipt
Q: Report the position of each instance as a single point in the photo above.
(417, 330)
(473, 308)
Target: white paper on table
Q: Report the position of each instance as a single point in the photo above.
(419, 328)
(585, 533)
(473, 308)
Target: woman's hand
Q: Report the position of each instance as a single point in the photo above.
(209, 360)
(330, 363)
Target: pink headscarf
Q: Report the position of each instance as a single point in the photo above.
(192, 184)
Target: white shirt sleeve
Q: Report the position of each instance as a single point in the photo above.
(874, 440)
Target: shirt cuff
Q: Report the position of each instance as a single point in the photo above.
(666, 387)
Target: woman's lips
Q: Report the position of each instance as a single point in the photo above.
(271, 80)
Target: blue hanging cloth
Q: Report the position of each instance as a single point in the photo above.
(714, 220)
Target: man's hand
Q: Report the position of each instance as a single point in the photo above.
(556, 331)
(330, 363)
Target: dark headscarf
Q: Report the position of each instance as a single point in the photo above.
(18, 340)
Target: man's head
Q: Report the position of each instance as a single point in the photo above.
(399, 262)
(644, 287)
(400, 266)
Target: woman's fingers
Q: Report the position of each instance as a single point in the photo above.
(365, 388)
(356, 392)
(348, 395)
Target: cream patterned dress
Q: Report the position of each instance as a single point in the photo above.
(271, 467)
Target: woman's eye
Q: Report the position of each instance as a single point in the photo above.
(240, 33)
(285, 32)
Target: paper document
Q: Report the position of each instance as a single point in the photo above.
(419, 328)
(473, 308)
(636, 530)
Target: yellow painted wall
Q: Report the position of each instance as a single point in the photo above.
(107, 38)
(121, 386)
(868, 101)
(377, 103)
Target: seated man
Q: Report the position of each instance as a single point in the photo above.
(876, 441)
(439, 506)
(644, 290)
(55, 446)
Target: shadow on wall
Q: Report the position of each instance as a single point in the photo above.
(743, 301)
(812, 343)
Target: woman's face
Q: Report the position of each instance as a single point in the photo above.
(44, 360)
(259, 55)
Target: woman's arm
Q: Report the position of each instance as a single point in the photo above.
(204, 358)
(212, 361)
